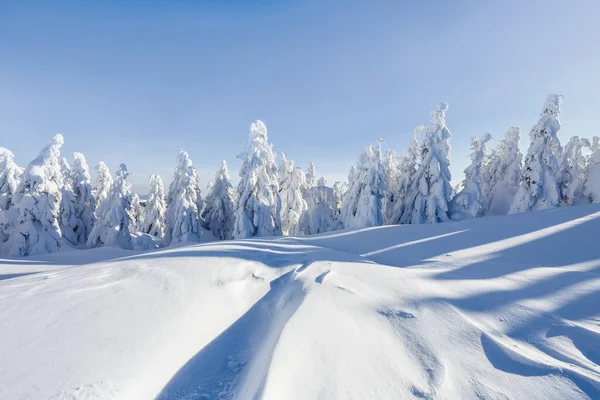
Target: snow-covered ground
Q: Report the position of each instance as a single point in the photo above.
(494, 308)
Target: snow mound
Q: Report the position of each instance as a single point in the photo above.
(495, 307)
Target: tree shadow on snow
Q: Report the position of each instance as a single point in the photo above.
(270, 253)
(403, 245)
(571, 245)
(237, 361)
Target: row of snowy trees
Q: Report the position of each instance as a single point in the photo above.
(52, 203)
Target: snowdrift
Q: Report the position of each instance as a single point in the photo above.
(495, 307)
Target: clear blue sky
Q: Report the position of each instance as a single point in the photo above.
(136, 81)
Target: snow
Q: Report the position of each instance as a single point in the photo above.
(258, 209)
(539, 187)
(182, 222)
(493, 307)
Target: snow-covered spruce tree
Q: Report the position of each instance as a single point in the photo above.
(501, 174)
(183, 217)
(339, 191)
(103, 184)
(37, 201)
(430, 192)
(284, 170)
(10, 176)
(85, 204)
(572, 171)
(311, 175)
(67, 219)
(363, 204)
(292, 201)
(407, 168)
(218, 211)
(114, 216)
(137, 213)
(390, 164)
(259, 205)
(320, 215)
(591, 185)
(153, 221)
(539, 187)
(469, 202)
(350, 196)
(322, 181)
(198, 189)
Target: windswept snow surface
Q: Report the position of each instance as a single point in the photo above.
(494, 308)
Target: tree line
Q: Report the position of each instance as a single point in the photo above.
(50, 203)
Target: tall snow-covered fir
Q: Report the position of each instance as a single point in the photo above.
(539, 187)
(259, 205)
(430, 192)
(103, 183)
(85, 204)
(183, 216)
(36, 229)
(321, 212)
(153, 219)
(407, 168)
(50, 203)
(218, 211)
(10, 176)
(68, 219)
(591, 184)
(571, 169)
(114, 215)
(311, 175)
(469, 202)
(292, 201)
(390, 163)
(363, 203)
(284, 170)
(198, 188)
(501, 174)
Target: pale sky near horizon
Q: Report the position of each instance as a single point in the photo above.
(137, 81)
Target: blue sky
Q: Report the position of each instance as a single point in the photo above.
(137, 81)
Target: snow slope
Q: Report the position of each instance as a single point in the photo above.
(496, 307)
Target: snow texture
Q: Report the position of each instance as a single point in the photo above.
(486, 308)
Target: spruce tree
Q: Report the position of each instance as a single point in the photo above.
(259, 205)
